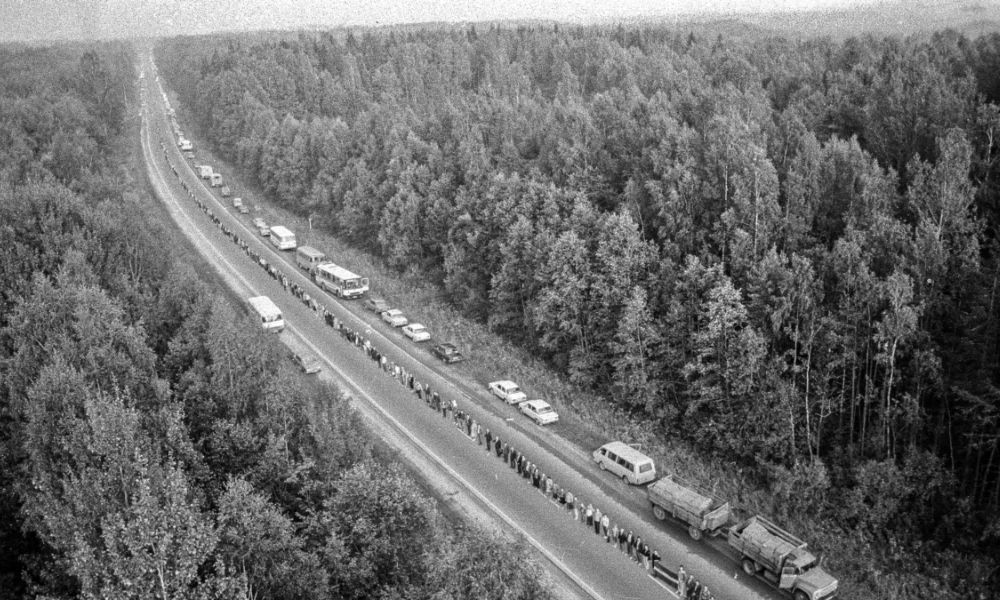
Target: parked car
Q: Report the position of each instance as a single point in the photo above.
(307, 362)
(375, 304)
(225, 191)
(262, 226)
(447, 352)
(416, 332)
(238, 202)
(395, 317)
(539, 411)
(507, 391)
(244, 209)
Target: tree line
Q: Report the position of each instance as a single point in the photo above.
(783, 252)
(155, 442)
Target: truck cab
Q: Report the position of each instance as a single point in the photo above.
(802, 575)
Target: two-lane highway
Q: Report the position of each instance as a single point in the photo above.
(596, 567)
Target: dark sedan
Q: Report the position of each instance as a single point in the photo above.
(447, 352)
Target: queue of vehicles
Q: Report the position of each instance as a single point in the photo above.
(764, 549)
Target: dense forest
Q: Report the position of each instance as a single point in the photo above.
(154, 442)
(783, 252)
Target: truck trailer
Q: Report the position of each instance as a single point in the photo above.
(702, 512)
(781, 559)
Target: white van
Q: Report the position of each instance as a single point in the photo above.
(268, 312)
(626, 462)
(282, 238)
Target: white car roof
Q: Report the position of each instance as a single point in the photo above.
(504, 383)
(415, 326)
(538, 404)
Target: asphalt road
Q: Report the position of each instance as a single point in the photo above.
(488, 490)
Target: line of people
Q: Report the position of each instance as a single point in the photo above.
(582, 512)
(689, 588)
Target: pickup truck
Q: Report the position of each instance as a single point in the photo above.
(781, 559)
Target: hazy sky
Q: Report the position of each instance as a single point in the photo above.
(61, 19)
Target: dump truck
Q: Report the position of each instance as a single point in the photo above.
(781, 559)
(702, 512)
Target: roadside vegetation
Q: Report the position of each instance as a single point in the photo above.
(774, 261)
(154, 441)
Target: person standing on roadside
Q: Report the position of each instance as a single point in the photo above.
(695, 591)
(597, 521)
(682, 583)
(605, 524)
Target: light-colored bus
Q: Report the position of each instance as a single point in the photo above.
(268, 312)
(307, 257)
(340, 282)
(282, 238)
